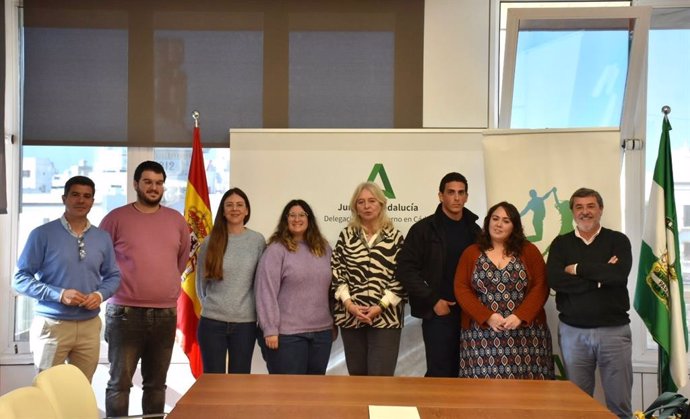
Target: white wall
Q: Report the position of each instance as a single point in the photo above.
(456, 63)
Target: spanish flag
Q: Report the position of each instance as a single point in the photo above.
(197, 212)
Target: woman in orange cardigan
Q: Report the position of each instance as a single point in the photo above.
(500, 284)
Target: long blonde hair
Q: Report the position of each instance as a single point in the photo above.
(383, 222)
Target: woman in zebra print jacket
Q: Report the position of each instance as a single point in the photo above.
(368, 298)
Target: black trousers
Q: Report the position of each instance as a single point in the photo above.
(442, 344)
(371, 351)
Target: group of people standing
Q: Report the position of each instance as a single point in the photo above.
(479, 290)
(298, 292)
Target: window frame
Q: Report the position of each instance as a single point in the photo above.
(632, 124)
(557, 18)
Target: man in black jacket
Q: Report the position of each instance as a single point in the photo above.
(426, 269)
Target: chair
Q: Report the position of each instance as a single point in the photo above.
(69, 391)
(26, 403)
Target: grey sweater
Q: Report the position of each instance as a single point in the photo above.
(231, 299)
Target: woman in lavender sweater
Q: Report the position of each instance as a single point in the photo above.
(292, 282)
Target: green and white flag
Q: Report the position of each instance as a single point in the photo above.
(659, 291)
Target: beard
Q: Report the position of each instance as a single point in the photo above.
(141, 197)
(587, 224)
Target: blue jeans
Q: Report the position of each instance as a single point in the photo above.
(609, 348)
(133, 334)
(226, 347)
(267, 354)
(442, 344)
(301, 353)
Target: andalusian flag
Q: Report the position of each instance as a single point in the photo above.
(197, 212)
(659, 292)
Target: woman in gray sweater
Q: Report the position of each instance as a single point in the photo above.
(225, 287)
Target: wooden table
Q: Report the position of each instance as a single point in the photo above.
(334, 397)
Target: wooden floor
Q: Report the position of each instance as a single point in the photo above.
(335, 397)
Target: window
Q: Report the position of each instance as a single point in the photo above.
(667, 84)
(568, 68)
(176, 163)
(569, 78)
(41, 194)
(107, 167)
(506, 6)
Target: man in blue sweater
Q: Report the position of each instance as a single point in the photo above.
(588, 268)
(69, 267)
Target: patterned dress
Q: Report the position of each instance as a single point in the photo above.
(521, 353)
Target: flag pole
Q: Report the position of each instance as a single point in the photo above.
(196, 116)
(661, 359)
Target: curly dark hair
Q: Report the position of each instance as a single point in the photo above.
(312, 237)
(514, 243)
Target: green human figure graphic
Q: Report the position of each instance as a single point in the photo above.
(563, 208)
(538, 208)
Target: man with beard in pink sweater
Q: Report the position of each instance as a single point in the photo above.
(152, 244)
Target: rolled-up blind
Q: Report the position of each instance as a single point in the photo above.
(129, 73)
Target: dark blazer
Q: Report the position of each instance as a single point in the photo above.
(422, 258)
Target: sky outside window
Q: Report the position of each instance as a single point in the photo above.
(569, 79)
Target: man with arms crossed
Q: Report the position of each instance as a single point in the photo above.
(152, 245)
(588, 268)
(69, 267)
(426, 268)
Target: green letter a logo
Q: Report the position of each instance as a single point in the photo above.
(380, 171)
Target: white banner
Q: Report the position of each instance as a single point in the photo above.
(538, 170)
(324, 166)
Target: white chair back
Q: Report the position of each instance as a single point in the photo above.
(26, 403)
(69, 391)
